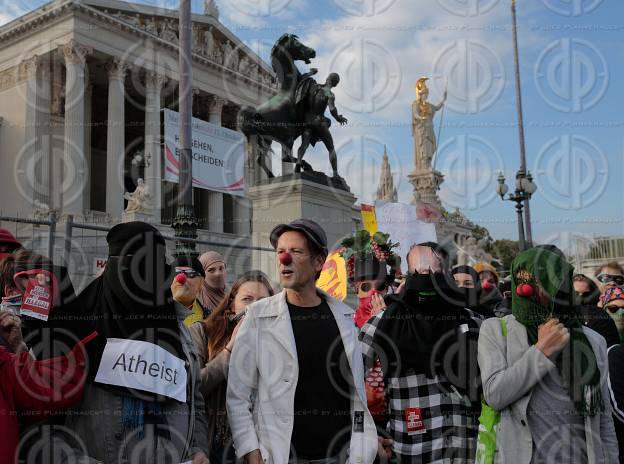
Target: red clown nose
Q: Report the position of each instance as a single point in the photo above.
(524, 290)
(285, 259)
(487, 285)
(180, 278)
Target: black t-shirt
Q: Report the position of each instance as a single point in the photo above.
(322, 423)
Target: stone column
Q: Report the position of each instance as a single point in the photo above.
(153, 172)
(74, 171)
(242, 207)
(215, 199)
(87, 144)
(44, 133)
(115, 142)
(29, 69)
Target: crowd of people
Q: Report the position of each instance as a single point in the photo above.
(158, 360)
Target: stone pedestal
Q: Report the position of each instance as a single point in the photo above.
(129, 216)
(426, 184)
(306, 195)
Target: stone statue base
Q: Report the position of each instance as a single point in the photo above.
(283, 199)
(143, 216)
(426, 184)
(313, 176)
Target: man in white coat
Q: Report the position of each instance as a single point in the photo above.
(296, 377)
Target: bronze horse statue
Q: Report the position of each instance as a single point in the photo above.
(280, 118)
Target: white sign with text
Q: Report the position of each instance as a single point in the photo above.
(142, 366)
(218, 155)
(400, 221)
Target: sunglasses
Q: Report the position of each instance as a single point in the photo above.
(617, 279)
(367, 286)
(613, 308)
(190, 273)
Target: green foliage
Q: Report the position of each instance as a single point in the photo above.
(504, 251)
(481, 233)
(360, 244)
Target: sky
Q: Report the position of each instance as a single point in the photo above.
(571, 63)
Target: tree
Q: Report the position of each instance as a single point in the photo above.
(504, 251)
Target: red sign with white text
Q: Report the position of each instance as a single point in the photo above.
(414, 421)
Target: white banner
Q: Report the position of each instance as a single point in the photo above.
(400, 221)
(142, 366)
(218, 155)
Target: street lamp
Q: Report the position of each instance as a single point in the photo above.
(185, 224)
(525, 188)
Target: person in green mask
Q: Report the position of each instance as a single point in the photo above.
(545, 371)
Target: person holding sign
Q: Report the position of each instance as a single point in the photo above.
(142, 365)
(36, 386)
(42, 295)
(296, 380)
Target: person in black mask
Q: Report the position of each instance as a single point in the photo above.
(469, 283)
(141, 401)
(426, 341)
(586, 296)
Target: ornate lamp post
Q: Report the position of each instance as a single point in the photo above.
(185, 224)
(524, 189)
(514, 30)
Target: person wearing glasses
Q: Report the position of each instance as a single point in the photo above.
(613, 305)
(609, 275)
(586, 296)
(372, 267)
(187, 282)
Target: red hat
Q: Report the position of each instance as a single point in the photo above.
(7, 238)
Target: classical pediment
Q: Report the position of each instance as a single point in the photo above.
(212, 41)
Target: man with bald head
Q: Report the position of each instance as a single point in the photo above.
(433, 394)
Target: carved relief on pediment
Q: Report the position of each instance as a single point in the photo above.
(8, 78)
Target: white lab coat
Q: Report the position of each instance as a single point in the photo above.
(263, 376)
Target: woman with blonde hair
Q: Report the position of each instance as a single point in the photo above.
(214, 339)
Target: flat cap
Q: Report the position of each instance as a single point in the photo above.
(311, 229)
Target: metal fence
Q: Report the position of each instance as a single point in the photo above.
(83, 249)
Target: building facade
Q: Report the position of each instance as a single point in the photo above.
(82, 88)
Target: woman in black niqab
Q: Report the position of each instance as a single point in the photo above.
(131, 299)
